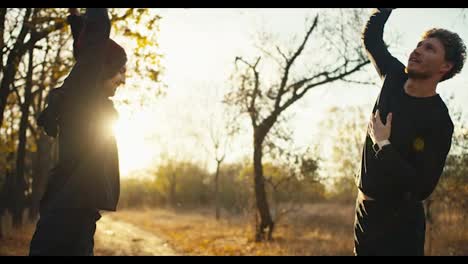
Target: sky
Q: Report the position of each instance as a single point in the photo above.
(199, 47)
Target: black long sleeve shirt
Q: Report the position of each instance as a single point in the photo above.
(409, 168)
(76, 25)
(87, 173)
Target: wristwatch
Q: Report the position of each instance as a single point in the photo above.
(379, 145)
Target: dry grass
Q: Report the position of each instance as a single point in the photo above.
(323, 229)
(317, 230)
(449, 235)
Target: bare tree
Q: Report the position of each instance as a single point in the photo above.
(339, 58)
(221, 135)
(216, 135)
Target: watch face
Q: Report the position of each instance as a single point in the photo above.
(376, 147)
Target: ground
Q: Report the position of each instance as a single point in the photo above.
(115, 237)
(315, 229)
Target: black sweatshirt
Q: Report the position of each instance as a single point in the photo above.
(409, 168)
(87, 172)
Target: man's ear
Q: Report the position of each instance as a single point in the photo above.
(446, 67)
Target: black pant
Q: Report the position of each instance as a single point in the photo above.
(65, 232)
(383, 229)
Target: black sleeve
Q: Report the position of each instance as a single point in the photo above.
(93, 41)
(76, 25)
(417, 182)
(48, 119)
(372, 38)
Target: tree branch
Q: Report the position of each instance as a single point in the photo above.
(256, 91)
(290, 62)
(282, 54)
(328, 79)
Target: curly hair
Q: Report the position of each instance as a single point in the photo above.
(455, 50)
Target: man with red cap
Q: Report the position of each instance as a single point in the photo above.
(86, 177)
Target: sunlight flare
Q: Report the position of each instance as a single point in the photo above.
(135, 152)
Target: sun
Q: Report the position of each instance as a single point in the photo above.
(135, 152)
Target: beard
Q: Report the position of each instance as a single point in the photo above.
(412, 74)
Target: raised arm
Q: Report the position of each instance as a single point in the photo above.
(91, 35)
(375, 46)
(76, 22)
(91, 44)
(95, 32)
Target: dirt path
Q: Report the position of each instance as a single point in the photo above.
(118, 238)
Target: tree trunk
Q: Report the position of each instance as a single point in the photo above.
(2, 32)
(266, 223)
(20, 182)
(17, 200)
(14, 57)
(217, 200)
